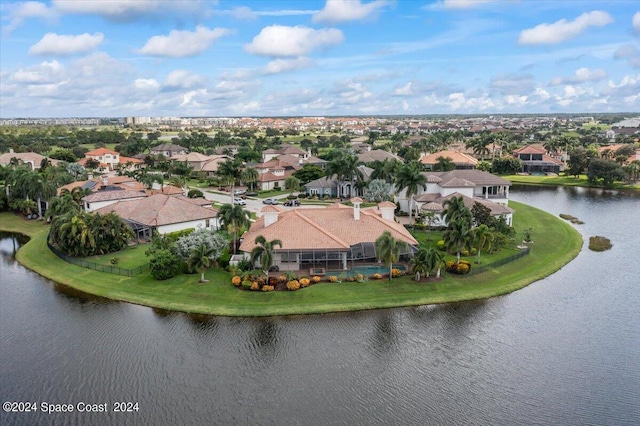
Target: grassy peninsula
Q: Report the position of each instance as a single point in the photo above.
(555, 244)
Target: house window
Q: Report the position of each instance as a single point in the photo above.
(206, 223)
(536, 157)
(108, 156)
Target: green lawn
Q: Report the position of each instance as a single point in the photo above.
(129, 258)
(563, 181)
(556, 243)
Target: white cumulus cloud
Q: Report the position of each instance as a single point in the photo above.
(126, 10)
(636, 22)
(278, 40)
(179, 44)
(459, 4)
(581, 75)
(405, 90)
(563, 30)
(183, 79)
(17, 13)
(347, 10)
(283, 65)
(63, 45)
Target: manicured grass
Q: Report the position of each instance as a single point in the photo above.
(129, 258)
(564, 181)
(556, 243)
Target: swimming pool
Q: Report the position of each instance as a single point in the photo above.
(366, 270)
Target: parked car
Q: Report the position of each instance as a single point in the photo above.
(239, 201)
(272, 201)
(292, 203)
(239, 192)
(251, 194)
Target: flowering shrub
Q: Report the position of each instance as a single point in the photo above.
(304, 282)
(236, 280)
(441, 245)
(246, 284)
(293, 285)
(282, 278)
(316, 279)
(267, 288)
(255, 286)
(333, 279)
(377, 276)
(359, 278)
(458, 268)
(395, 272)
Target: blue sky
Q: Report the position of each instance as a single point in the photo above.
(108, 58)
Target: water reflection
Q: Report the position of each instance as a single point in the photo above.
(264, 340)
(385, 337)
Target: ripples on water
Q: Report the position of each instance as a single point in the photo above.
(562, 351)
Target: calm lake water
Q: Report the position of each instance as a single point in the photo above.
(565, 350)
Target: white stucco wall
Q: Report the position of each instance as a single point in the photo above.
(165, 229)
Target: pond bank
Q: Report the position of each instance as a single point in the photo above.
(557, 243)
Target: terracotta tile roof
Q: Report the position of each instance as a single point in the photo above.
(333, 227)
(270, 177)
(478, 177)
(496, 209)
(530, 149)
(166, 190)
(159, 210)
(101, 151)
(377, 155)
(125, 160)
(387, 204)
(456, 157)
(122, 194)
(33, 157)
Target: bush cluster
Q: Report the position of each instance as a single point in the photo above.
(293, 285)
(461, 268)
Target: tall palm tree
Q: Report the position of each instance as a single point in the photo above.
(411, 180)
(265, 252)
(345, 168)
(231, 171)
(444, 164)
(250, 175)
(479, 145)
(454, 209)
(292, 183)
(201, 259)
(457, 236)
(61, 205)
(483, 237)
(438, 258)
(388, 249)
(422, 262)
(234, 217)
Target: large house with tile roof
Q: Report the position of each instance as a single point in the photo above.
(536, 160)
(168, 150)
(110, 160)
(163, 213)
(29, 159)
(460, 159)
(473, 185)
(330, 238)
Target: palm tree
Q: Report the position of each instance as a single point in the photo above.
(454, 209)
(60, 206)
(265, 252)
(388, 249)
(200, 260)
(411, 180)
(457, 237)
(419, 263)
(292, 183)
(235, 217)
(250, 175)
(439, 263)
(479, 146)
(345, 168)
(444, 164)
(230, 170)
(33, 186)
(483, 237)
